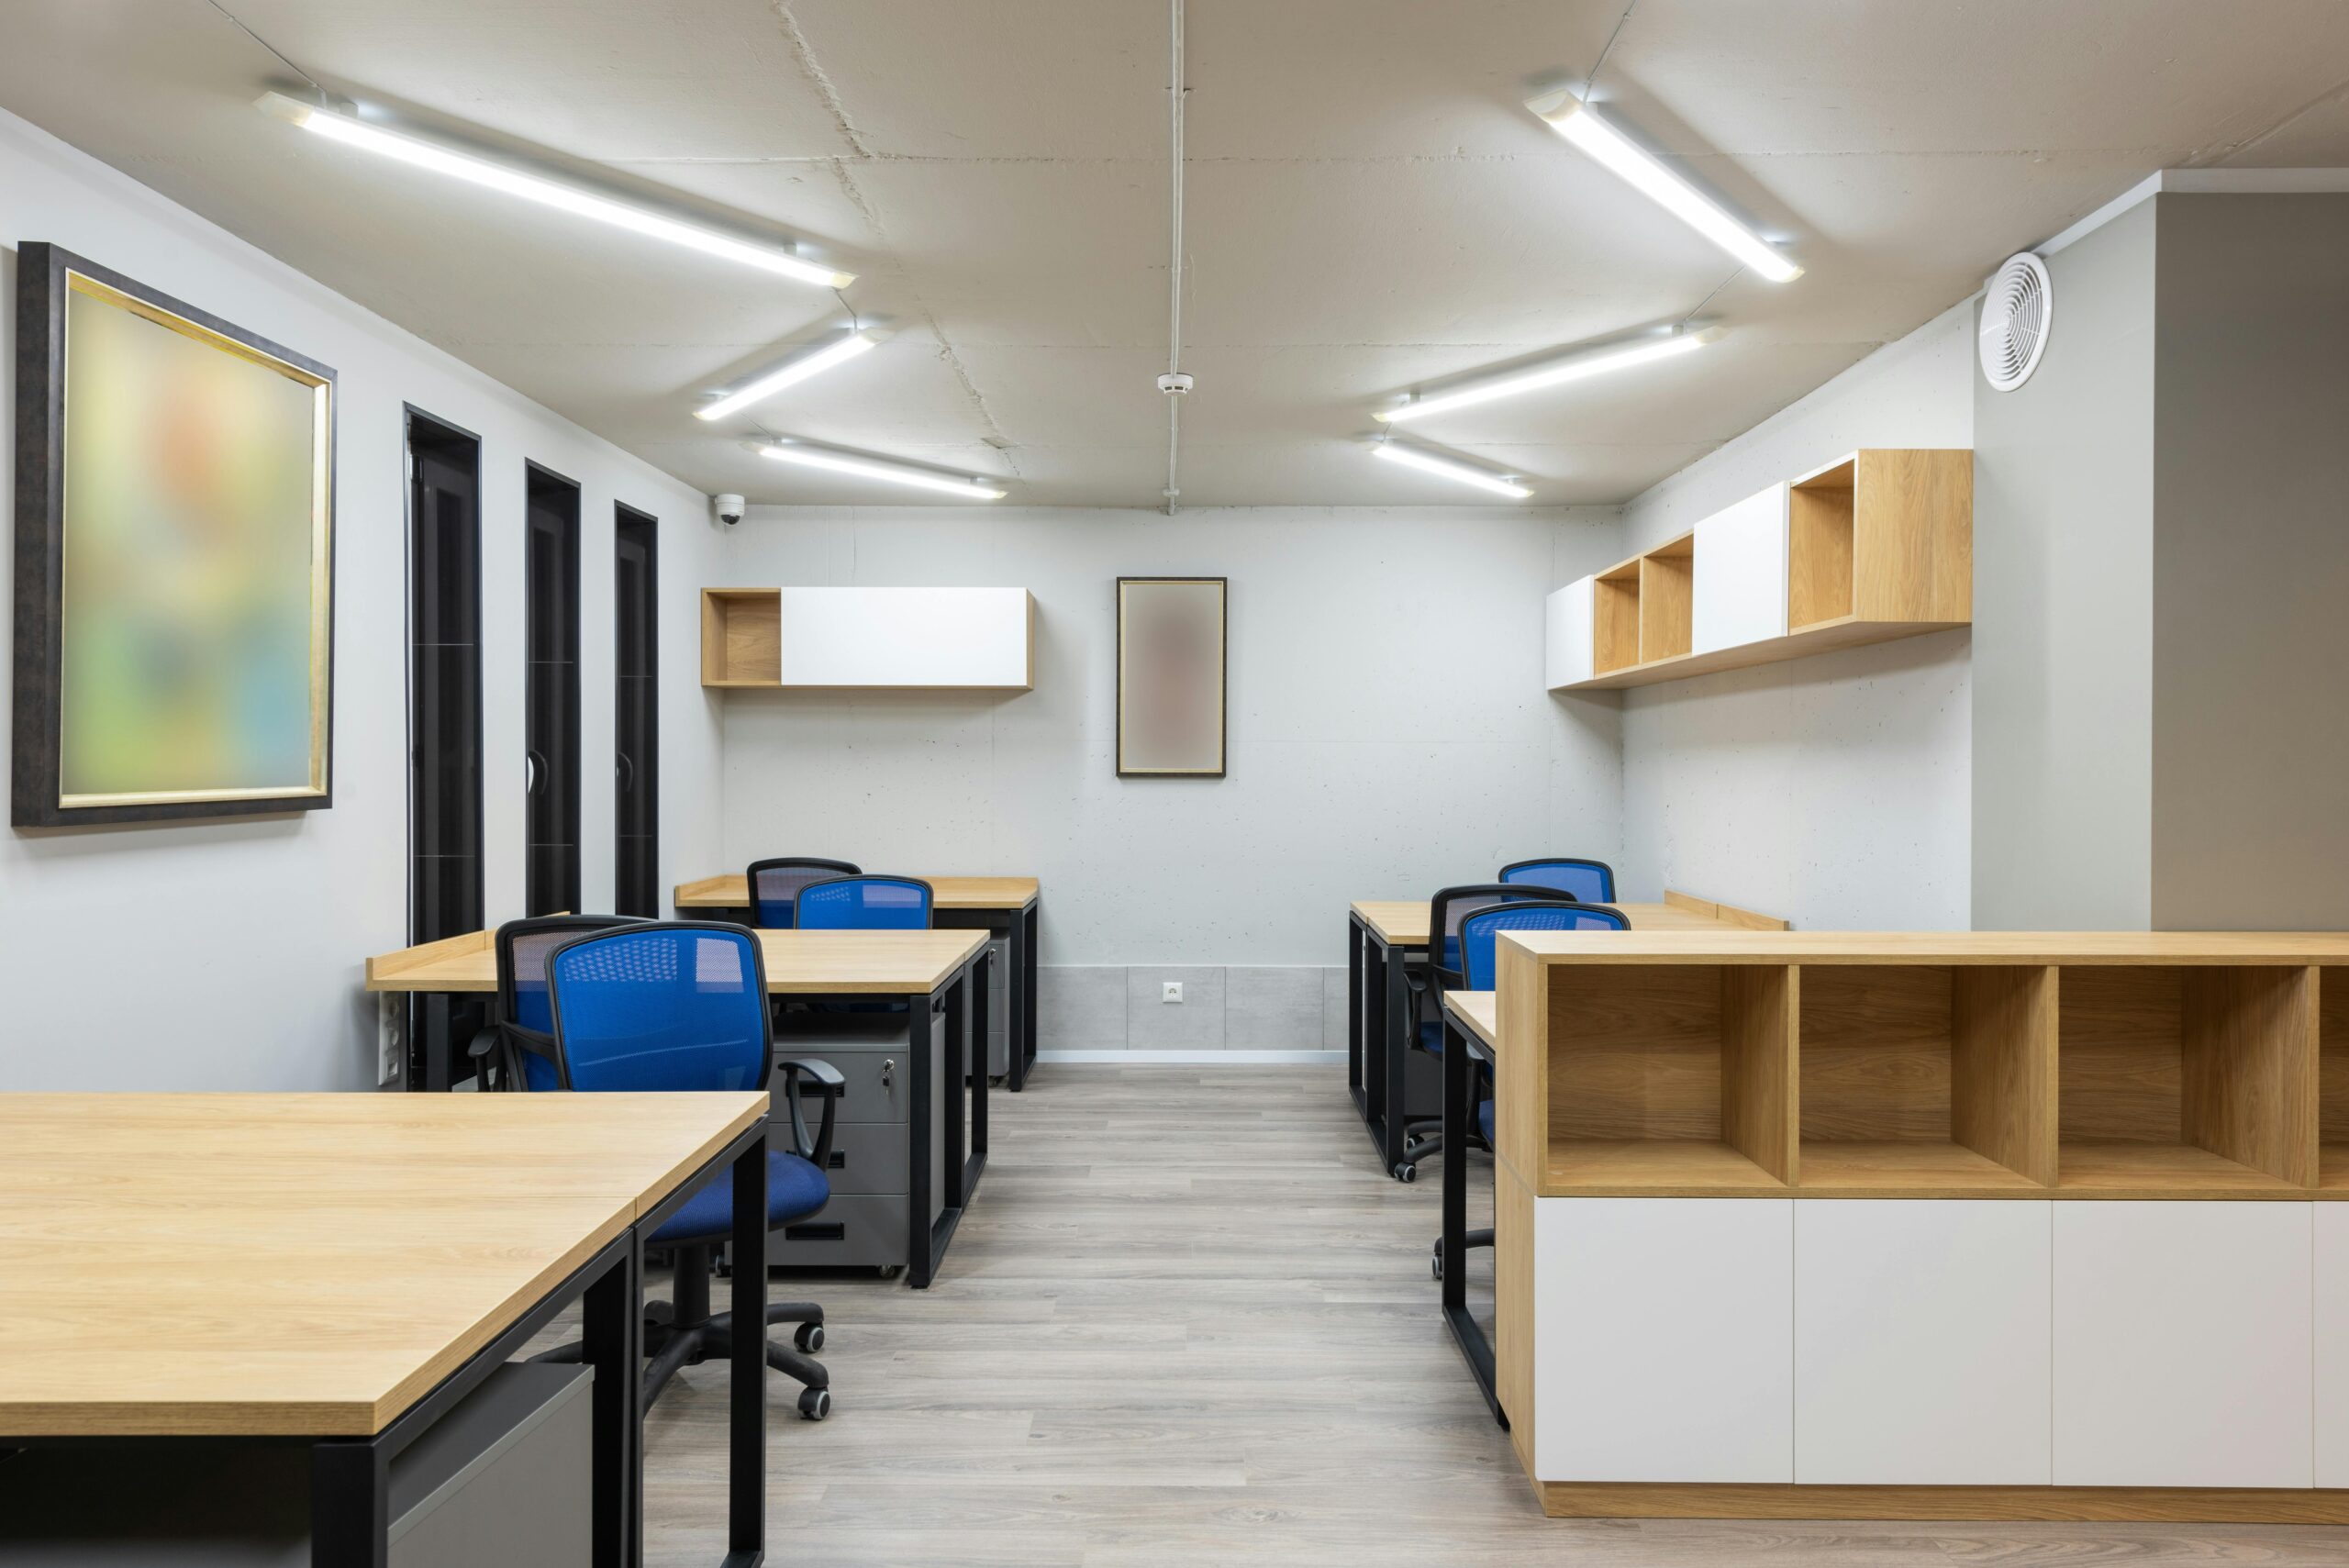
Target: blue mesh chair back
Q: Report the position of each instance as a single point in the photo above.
(661, 1006)
(1585, 882)
(522, 949)
(775, 886)
(865, 904)
(1452, 905)
(1477, 960)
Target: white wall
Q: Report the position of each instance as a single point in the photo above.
(1831, 790)
(1388, 730)
(228, 955)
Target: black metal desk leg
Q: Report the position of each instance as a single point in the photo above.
(351, 1518)
(1395, 1051)
(918, 1143)
(982, 981)
(1374, 960)
(746, 1413)
(1017, 1001)
(1024, 1039)
(611, 1341)
(1353, 1016)
(961, 1069)
(1459, 1074)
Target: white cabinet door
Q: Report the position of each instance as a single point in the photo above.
(1567, 638)
(2332, 1344)
(1664, 1338)
(983, 638)
(1740, 594)
(2184, 1345)
(1921, 1342)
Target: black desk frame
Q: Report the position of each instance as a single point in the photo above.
(1017, 926)
(1378, 1022)
(350, 1477)
(1462, 1053)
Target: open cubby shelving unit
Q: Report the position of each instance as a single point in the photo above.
(2079, 1065)
(1876, 545)
(868, 638)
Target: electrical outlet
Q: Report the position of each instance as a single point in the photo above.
(1172, 991)
(391, 1038)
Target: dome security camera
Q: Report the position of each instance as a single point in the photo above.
(729, 508)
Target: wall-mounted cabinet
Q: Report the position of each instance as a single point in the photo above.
(869, 639)
(1876, 545)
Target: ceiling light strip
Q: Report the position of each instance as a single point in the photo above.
(352, 132)
(1445, 467)
(867, 468)
(1554, 372)
(791, 372)
(1586, 128)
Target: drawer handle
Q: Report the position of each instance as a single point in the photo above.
(839, 1162)
(888, 1073)
(833, 1232)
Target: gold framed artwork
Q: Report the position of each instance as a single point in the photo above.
(1171, 644)
(174, 582)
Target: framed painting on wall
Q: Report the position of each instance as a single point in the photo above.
(1171, 647)
(174, 561)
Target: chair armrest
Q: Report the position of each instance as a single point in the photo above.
(828, 1083)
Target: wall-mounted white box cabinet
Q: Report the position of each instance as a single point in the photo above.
(2333, 1344)
(1876, 545)
(869, 639)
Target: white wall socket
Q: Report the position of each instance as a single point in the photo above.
(1171, 991)
(391, 1038)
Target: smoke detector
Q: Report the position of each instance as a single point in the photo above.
(1175, 384)
(2017, 304)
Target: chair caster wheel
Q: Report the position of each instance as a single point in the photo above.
(1406, 1172)
(1435, 1267)
(891, 1270)
(815, 1404)
(810, 1338)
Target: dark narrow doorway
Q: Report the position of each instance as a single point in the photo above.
(636, 726)
(551, 692)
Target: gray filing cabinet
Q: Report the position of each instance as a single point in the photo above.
(502, 1481)
(864, 1224)
(998, 1007)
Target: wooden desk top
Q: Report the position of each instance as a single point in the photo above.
(1479, 1012)
(302, 1264)
(1817, 948)
(946, 892)
(1404, 922)
(889, 963)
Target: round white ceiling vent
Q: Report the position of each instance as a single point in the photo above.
(2016, 306)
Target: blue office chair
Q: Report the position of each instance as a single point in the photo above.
(681, 1005)
(1423, 1016)
(1479, 970)
(865, 904)
(775, 886)
(516, 1050)
(1585, 882)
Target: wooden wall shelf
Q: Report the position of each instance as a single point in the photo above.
(868, 638)
(1971, 1065)
(1875, 546)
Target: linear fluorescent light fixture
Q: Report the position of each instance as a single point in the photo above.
(353, 132)
(1445, 467)
(792, 371)
(1552, 372)
(1583, 126)
(866, 468)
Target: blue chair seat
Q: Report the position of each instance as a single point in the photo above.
(1431, 1035)
(1484, 1119)
(796, 1189)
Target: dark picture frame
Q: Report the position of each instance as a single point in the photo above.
(47, 277)
(1221, 588)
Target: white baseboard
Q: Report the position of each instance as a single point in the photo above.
(1196, 1058)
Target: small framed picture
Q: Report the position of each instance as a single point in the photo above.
(1170, 677)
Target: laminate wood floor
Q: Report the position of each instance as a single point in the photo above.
(1189, 1324)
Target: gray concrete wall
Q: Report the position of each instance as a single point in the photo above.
(2250, 824)
(2063, 717)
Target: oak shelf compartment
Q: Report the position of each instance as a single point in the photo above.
(1927, 1080)
(1672, 1079)
(2332, 1080)
(1615, 618)
(742, 641)
(1667, 589)
(2186, 1080)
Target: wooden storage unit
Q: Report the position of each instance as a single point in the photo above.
(1615, 618)
(740, 645)
(1876, 545)
(869, 639)
(1923, 1073)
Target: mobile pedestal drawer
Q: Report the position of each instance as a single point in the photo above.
(864, 1224)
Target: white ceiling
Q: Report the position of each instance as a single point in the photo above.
(1369, 203)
